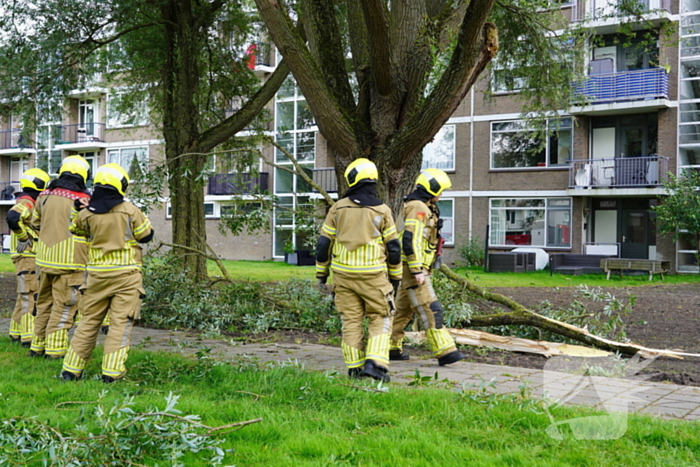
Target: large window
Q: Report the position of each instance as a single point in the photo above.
(515, 144)
(447, 215)
(121, 113)
(544, 222)
(440, 153)
(295, 131)
(133, 160)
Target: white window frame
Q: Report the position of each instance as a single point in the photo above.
(546, 208)
(144, 163)
(216, 213)
(296, 97)
(526, 128)
(439, 146)
(116, 119)
(448, 220)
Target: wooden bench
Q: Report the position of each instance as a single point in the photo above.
(648, 265)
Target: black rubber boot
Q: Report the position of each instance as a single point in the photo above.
(52, 357)
(355, 373)
(27, 344)
(375, 372)
(68, 376)
(451, 357)
(35, 354)
(396, 354)
(15, 340)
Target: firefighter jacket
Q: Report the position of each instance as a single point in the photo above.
(58, 250)
(114, 238)
(18, 218)
(358, 239)
(419, 237)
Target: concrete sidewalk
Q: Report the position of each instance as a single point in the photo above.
(607, 394)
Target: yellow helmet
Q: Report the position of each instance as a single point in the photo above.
(36, 179)
(359, 170)
(75, 165)
(434, 181)
(112, 176)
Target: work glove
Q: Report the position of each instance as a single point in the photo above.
(322, 283)
(395, 283)
(25, 244)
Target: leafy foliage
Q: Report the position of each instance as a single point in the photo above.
(122, 437)
(174, 300)
(593, 308)
(679, 213)
(471, 251)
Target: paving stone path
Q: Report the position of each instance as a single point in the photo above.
(612, 395)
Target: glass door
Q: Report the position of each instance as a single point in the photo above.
(634, 238)
(86, 120)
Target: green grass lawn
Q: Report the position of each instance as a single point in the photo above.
(270, 271)
(316, 419)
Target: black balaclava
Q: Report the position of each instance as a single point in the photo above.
(69, 181)
(419, 194)
(31, 192)
(364, 194)
(104, 199)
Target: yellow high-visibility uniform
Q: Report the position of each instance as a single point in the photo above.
(22, 323)
(419, 240)
(360, 245)
(61, 258)
(114, 284)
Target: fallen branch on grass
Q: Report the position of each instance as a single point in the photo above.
(519, 315)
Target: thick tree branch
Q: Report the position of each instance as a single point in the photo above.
(325, 43)
(377, 21)
(524, 317)
(477, 45)
(241, 119)
(331, 117)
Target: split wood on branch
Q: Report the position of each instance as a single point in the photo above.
(519, 315)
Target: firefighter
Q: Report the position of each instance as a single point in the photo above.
(22, 251)
(359, 243)
(420, 240)
(61, 258)
(114, 228)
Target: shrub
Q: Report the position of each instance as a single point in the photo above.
(472, 252)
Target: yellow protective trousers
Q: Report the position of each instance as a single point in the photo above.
(121, 296)
(22, 323)
(56, 307)
(421, 300)
(358, 296)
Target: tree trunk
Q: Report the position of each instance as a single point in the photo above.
(180, 129)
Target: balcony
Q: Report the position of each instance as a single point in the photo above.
(326, 179)
(632, 91)
(80, 136)
(237, 184)
(8, 190)
(601, 15)
(13, 142)
(620, 172)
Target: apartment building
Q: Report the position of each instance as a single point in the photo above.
(589, 187)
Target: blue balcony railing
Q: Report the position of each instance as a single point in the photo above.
(237, 184)
(651, 83)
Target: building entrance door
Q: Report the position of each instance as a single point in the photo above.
(634, 238)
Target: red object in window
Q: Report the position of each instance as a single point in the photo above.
(565, 234)
(520, 239)
(251, 53)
